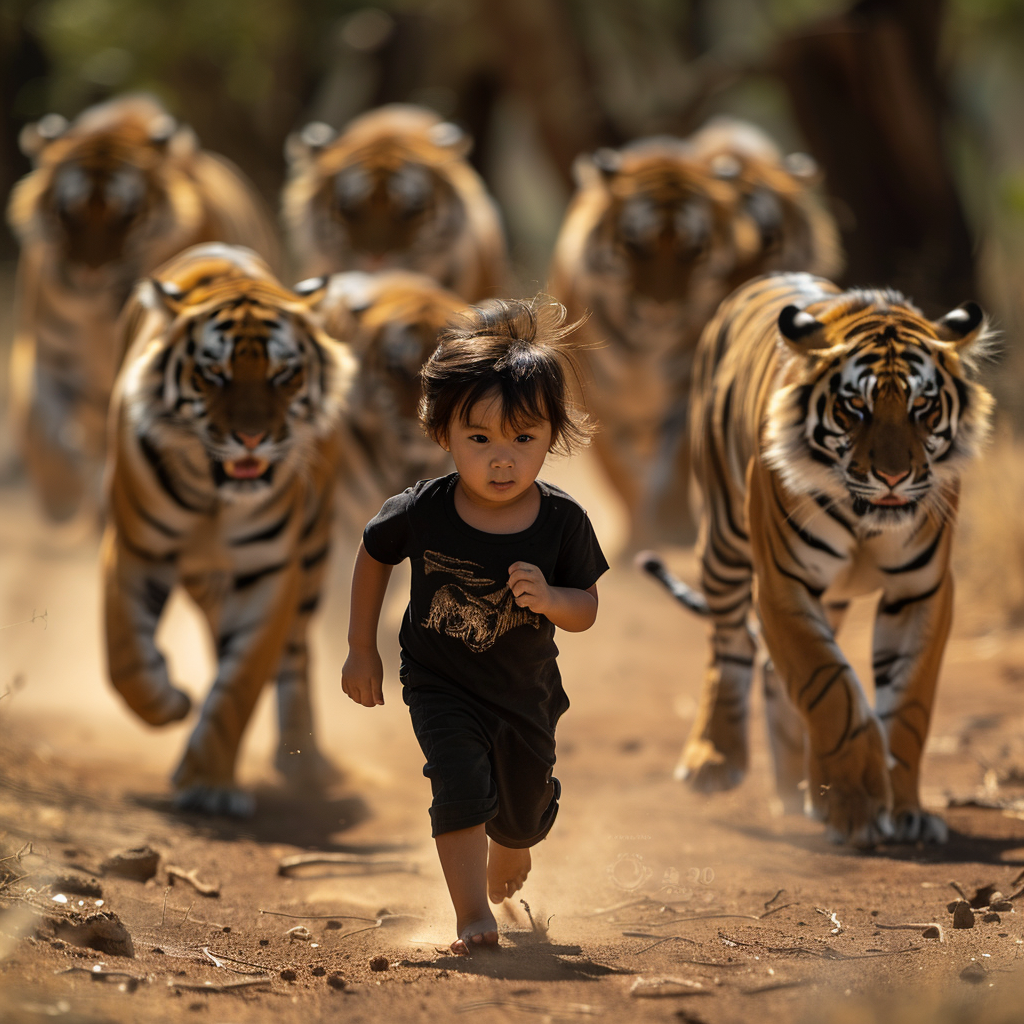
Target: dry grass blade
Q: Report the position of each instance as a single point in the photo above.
(653, 988)
(917, 926)
(318, 917)
(369, 865)
(225, 961)
(209, 986)
(580, 1009)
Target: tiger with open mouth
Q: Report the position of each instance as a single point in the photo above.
(221, 468)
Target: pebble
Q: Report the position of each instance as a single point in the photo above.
(336, 980)
(289, 975)
(963, 916)
(379, 963)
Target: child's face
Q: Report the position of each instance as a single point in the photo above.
(497, 464)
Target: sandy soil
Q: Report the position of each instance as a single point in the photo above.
(749, 915)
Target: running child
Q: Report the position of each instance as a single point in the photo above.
(499, 559)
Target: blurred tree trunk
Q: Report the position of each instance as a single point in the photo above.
(22, 61)
(545, 66)
(866, 92)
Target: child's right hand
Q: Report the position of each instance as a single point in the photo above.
(362, 677)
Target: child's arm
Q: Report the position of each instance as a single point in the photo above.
(568, 608)
(362, 676)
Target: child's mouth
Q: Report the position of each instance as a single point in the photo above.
(502, 485)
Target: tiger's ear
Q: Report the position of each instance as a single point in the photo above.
(962, 326)
(301, 145)
(801, 330)
(596, 168)
(312, 290)
(34, 138)
(804, 167)
(161, 295)
(451, 137)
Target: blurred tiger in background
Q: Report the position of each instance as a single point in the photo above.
(221, 470)
(657, 235)
(829, 432)
(781, 222)
(645, 247)
(112, 196)
(393, 191)
(391, 320)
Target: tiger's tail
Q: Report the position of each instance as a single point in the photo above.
(691, 599)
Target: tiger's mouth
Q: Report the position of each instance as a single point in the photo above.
(891, 504)
(249, 467)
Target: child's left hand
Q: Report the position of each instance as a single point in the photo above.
(529, 587)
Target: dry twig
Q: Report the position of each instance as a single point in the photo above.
(203, 888)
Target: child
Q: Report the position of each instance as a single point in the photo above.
(498, 560)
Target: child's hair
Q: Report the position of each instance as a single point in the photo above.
(513, 347)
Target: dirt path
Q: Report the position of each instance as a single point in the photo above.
(639, 881)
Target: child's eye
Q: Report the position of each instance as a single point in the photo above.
(478, 438)
(524, 438)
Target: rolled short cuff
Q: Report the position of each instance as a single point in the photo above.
(460, 814)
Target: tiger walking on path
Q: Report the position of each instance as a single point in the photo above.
(221, 476)
(829, 430)
(112, 196)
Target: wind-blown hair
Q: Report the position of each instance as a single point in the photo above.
(516, 349)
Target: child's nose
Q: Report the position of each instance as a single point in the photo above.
(502, 457)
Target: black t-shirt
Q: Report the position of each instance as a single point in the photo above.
(463, 627)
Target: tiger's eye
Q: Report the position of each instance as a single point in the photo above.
(920, 402)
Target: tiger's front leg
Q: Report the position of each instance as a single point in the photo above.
(298, 757)
(909, 640)
(847, 755)
(135, 592)
(252, 626)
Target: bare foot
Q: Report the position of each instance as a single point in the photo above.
(476, 935)
(506, 871)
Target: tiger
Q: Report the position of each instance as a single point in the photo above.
(224, 445)
(781, 222)
(656, 236)
(111, 196)
(393, 191)
(391, 320)
(829, 431)
(644, 247)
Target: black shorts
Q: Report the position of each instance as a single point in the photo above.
(484, 768)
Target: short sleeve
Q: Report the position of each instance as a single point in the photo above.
(386, 536)
(581, 561)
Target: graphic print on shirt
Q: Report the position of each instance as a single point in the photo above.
(467, 610)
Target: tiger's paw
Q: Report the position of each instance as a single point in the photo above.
(914, 825)
(706, 769)
(221, 800)
(849, 789)
(172, 706)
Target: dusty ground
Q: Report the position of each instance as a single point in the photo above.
(756, 917)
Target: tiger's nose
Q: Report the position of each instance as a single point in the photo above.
(250, 440)
(892, 479)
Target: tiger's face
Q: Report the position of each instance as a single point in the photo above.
(248, 373)
(665, 221)
(877, 411)
(382, 195)
(99, 194)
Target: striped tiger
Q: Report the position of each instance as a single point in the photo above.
(393, 191)
(829, 432)
(220, 475)
(391, 320)
(781, 223)
(112, 196)
(656, 236)
(645, 247)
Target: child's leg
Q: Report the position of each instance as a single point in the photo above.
(463, 856)
(506, 870)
